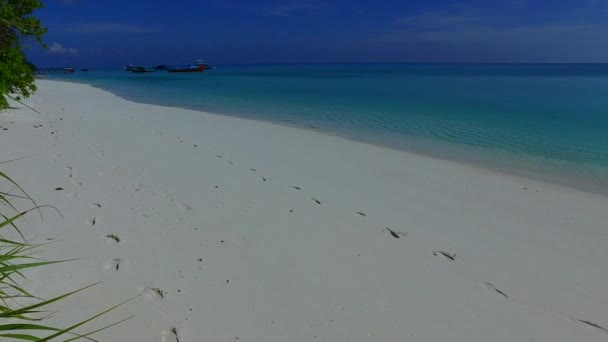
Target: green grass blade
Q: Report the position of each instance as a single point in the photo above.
(24, 326)
(5, 176)
(7, 202)
(28, 309)
(21, 337)
(48, 338)
(98, 330)
(12, 255)
(10, 220)
(9, 195)
(13, 268)
(19, 289)
(12, 224)
(10, 242)
(21, 102)
(7, 257)
(14, 159)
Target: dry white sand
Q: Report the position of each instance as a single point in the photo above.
(258, 232)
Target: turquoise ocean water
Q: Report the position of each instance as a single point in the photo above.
(546, 121)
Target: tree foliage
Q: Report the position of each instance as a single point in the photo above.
(18, 27)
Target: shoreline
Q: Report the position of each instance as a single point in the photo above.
(255, 231)
(509, 164)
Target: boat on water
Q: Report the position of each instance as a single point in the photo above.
(142, 69)
(138, 68)
(199, 66)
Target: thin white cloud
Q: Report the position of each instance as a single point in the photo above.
(511, 34)
(288, 8)
(438, 19)
(110, 28)
(486, 34)
(59, 49)
(548, 43)
(453, 16)
(107, 51)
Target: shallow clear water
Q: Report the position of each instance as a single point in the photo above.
(548, 121)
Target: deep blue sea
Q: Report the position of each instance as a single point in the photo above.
(547, 121)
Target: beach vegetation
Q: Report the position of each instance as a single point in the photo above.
(19, 29)
(22, 313)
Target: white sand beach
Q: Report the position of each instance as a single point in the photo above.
(238, 230)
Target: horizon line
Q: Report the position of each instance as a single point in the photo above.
(359, 62)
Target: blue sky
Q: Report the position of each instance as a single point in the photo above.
(110, 33)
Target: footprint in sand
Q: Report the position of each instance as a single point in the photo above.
(91, 222)
(492, 289)
(445, 255)
(113, 238)
(591, 324)
(170, 335)
(69, 172)
(395, 234)
(114, 264)
(154, 293)
(184, 206)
